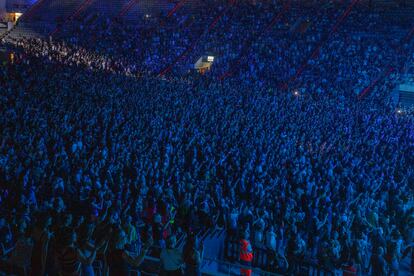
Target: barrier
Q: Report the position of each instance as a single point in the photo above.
(263, 262)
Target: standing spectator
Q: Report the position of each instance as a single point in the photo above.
(41, 237)
(296, 249)
(378, 264)
(171, 258)
(193, 256)
(69, 257)
(246, 253)
(87, 248)
(119, 260)
(19, 261)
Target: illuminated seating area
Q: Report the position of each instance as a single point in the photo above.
(216, 138)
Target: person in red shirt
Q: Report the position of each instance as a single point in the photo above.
(246, 254)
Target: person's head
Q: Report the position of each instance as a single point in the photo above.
(246, 234)
(7, 237)
(114, 216)
(380, 251)
(59, 204)
(22, 226)
(68, 219)
(171, 242)
(157, 218)
(120, 239)
(127, 220)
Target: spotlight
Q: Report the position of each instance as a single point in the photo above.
(296, 93)
(399, 111)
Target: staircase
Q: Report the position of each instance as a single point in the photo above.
(406, 95)
(3, 31)
(406, 90)
(30, 30)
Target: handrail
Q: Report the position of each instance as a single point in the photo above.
(234, 265)
(6, 33)
(240, 266)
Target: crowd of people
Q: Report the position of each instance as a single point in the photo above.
(103, 161)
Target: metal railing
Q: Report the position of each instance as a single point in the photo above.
(226, 268)
(230, 268)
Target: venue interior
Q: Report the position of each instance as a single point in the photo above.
(206, 137)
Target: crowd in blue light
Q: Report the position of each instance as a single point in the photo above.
(94, 142)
